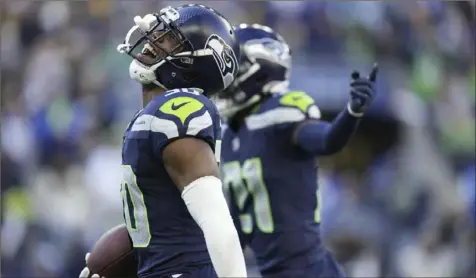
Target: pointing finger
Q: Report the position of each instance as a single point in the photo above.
(355, 75)
(373, 73)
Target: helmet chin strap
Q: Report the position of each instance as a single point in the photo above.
(159, 84)
(276, 87)
(144, 74)
(228, 109)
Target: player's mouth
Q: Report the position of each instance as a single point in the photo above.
(149, 52)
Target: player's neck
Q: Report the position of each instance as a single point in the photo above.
(148, 95)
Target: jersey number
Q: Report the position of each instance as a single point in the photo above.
(135, 211)
(247, 181)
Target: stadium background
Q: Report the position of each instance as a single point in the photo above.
(399, 201)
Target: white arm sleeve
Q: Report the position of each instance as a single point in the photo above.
(207, 205)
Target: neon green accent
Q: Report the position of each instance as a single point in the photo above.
(246, 221)
(245, 181)
(252, 171)
(186, 107)
(233, 179)
(140, 235)
(297, 99)
(317, 212)
(17, 203)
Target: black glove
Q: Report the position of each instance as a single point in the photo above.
(362, 92)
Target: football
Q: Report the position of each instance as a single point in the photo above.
(112, 255)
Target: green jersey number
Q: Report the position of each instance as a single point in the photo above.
(247, 181)
(317, 211)
(135, 211)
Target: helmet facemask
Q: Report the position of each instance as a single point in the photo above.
(191, 49)
(153, 41)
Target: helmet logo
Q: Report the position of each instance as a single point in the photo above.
(224, 57)
(268, 49)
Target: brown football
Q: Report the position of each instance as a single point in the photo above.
(112, 255)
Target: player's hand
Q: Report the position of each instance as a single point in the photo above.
(85, 272)
(362, 92)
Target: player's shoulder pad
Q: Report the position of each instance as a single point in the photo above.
(181, 112)
(184, 104)
(287, 108)
(301, 101)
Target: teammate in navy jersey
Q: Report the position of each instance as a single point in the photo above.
(269, 150)
(174, 207)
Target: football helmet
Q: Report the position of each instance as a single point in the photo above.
(264, 68)
(191, 46)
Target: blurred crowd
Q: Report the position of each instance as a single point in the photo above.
(398, 201)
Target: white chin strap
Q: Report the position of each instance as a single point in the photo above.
(144, 74)
(276, 87)
(227, 108)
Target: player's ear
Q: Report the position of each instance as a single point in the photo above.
(187, 159)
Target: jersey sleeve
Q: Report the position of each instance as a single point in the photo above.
(300, 108)
(317, 137)
(184, 115)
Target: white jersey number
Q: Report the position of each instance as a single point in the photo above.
(135, 211)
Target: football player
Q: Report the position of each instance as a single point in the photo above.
(269, 149)
(174, 206)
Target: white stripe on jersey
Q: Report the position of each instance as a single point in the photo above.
(170, 128)
(199, 123)
(281, 115)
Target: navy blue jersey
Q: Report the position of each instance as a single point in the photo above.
(166, 239)
(272, 185)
